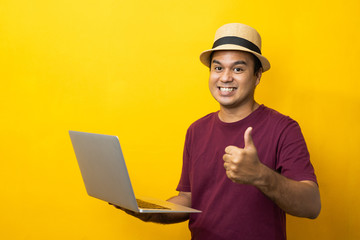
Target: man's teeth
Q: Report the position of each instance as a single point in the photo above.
(227, 89)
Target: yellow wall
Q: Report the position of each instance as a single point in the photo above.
(131, 68)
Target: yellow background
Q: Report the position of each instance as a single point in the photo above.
(131, 68)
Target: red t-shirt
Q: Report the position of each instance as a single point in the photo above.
(233, 211)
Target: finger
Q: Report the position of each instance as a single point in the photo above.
(248, 138)
(116, 206)
(121, 208)
(226, 157)
(226, 166)
(230, 149)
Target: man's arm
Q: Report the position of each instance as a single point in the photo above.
(184, 199)
(298, 198)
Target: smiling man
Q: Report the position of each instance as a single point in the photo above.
(232, 82)
(246, 165)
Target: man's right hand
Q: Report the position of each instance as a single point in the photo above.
(184, 199)
(145, 217)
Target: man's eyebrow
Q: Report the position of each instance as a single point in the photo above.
(235, 63)
(240, 62)
(216, 61)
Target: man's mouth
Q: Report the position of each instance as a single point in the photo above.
(227, 89)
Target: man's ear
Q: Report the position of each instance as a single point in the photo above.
(258, 75)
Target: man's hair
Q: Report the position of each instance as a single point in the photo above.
(257, 63)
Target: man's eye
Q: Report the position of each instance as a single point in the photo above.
(238, 70)
(218, 68)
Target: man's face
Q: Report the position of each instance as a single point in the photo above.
(232, 80)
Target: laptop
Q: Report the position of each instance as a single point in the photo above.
(106, 177)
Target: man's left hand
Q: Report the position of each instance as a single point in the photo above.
(242, 165)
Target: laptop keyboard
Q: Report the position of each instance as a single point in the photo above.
(147, 205)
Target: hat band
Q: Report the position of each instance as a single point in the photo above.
(237, 41)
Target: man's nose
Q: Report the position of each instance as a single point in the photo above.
(226, 76)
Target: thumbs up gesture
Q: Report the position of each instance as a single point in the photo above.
(242, 165)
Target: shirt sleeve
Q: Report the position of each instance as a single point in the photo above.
(293, 155)
(184, 183)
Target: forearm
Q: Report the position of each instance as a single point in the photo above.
(166, 218)
(301, 199)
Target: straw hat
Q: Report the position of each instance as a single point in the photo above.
(236, 36)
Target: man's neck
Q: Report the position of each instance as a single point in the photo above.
(230, 115)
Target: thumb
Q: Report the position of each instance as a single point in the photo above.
(248, 138)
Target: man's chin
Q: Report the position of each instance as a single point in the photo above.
(228, 105)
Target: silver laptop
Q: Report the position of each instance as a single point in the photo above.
(105, 175)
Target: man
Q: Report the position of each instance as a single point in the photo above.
(246, 165)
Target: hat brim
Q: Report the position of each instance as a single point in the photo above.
(205, 55)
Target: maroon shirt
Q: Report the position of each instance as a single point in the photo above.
(234, 211)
